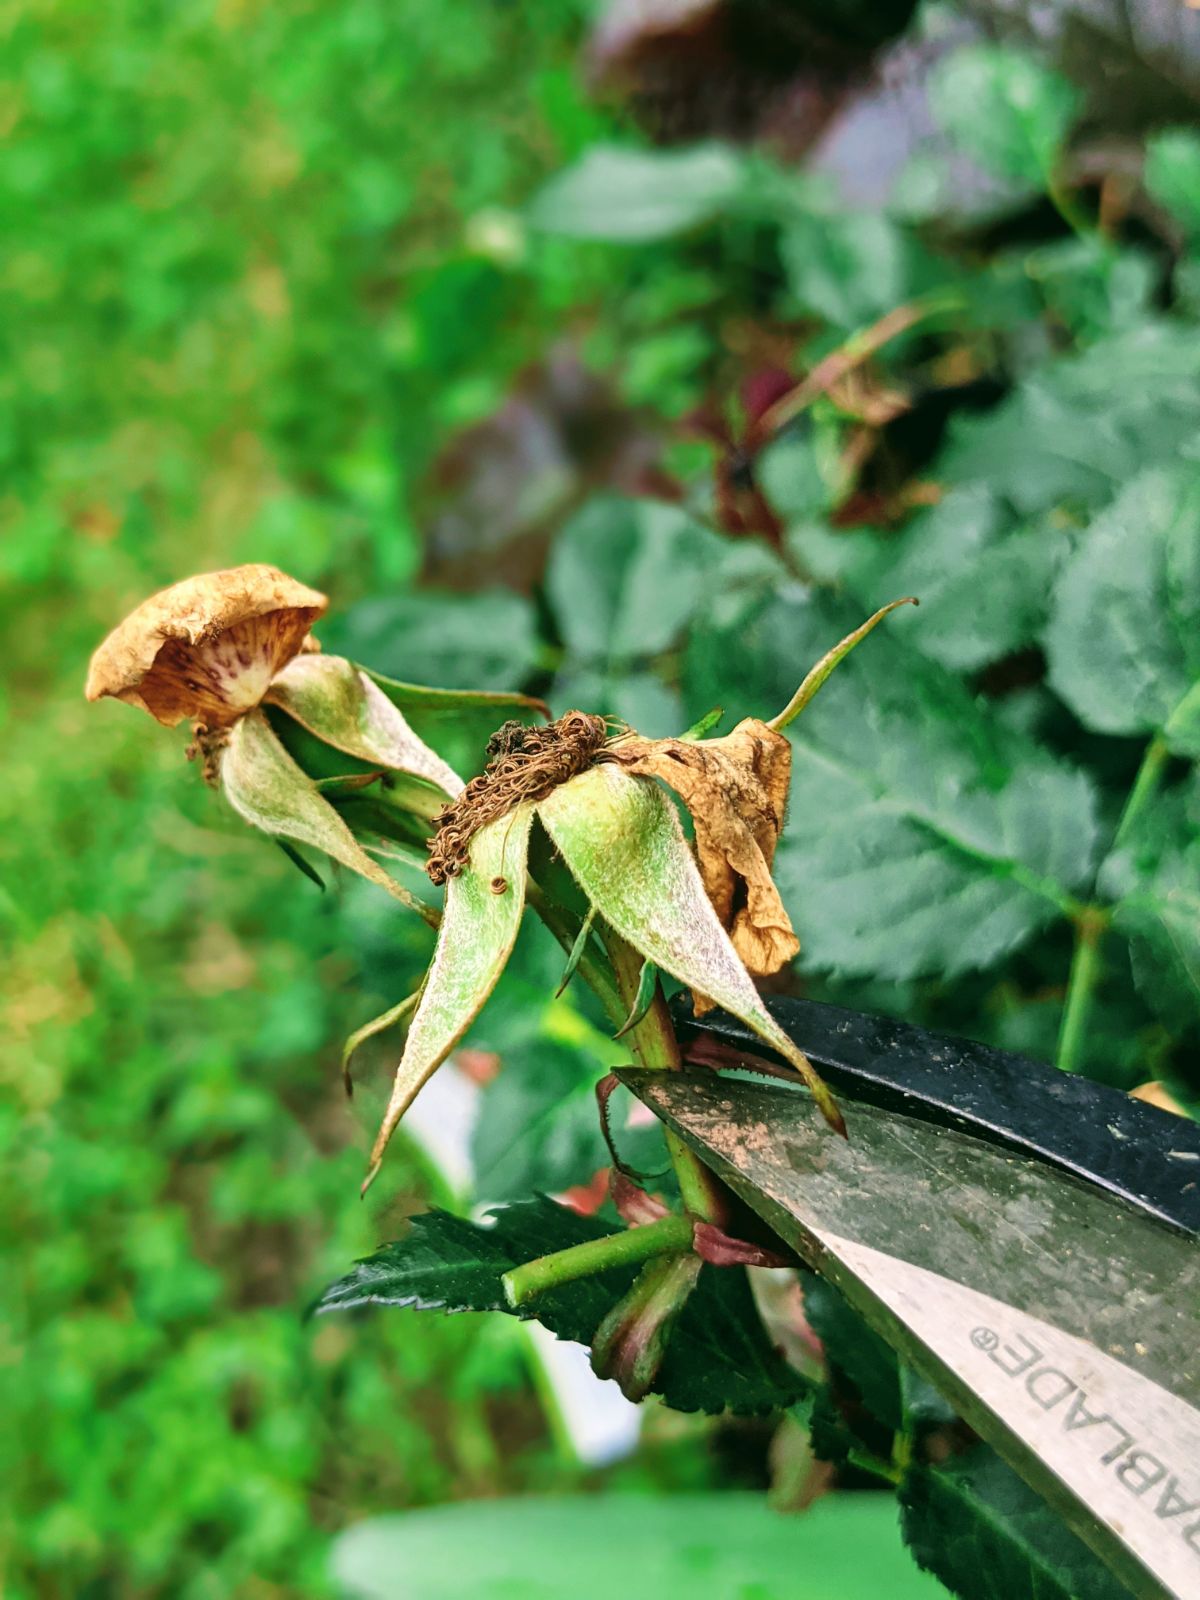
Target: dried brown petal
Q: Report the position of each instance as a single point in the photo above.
(736, 790)
(206, 648)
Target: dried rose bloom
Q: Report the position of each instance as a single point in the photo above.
(736, 790)
(218, 649)
(206, 649)
(226, 650)
(231, 652)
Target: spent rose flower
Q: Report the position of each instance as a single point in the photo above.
(232, 653)
(206, 649)
(566, 805)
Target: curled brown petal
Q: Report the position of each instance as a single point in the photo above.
(207, 648)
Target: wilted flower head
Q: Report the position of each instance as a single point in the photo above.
(206, 649)
(710, 918)
(225, 650)
(222, 648)
(736, 790)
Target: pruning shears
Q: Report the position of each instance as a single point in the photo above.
(1027, 1240)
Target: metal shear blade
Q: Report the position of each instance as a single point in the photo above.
(1060, 1320)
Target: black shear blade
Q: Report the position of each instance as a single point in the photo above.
(1137, 1152)
(1061, 1322)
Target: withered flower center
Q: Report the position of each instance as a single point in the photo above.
(525, 764)
(217, 680)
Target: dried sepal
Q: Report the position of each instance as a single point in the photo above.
(266, 787)
(206, 649)
(736, 790)
(340, 704)
(479, 926)
(623, 843)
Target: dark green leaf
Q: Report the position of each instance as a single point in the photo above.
(1155, 880)
(1090, 287)
(719, 1358)
(1172, 174)
(855, 1350)
(642, 1000)
(892, 1392)
(1078, 428)
(1124, 637)
(625, 576)
(923, 836)
(484, 640)
(443, 1263)
(1005, 109)
(983, 581)
(849, 268)
(988, 1536)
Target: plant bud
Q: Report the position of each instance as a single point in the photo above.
(632, 1340)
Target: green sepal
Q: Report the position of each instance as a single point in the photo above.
(704, 724)
(298, 861)
(642, 1000)
(575, 954)
(345, 708)
(622, 840)
(380, 1024)
(479, 927)
(831, 659)
(266, 787)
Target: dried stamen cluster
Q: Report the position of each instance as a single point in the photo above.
(525, 764)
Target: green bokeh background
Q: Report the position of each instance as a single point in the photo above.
(243, 301)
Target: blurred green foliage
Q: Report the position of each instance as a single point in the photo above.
(249, 287)
(265, 263)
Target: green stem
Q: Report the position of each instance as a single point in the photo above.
(652, 1040)
(1085, 969)
(1145, 786)
(656, 1047)
(597, 977)
(632, 1247)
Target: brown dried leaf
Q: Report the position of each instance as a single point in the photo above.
(736, 789)
(1156, 1094)
(206, 648)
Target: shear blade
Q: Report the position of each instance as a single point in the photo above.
(1060, 1322)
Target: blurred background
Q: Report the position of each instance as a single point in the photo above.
(626, 354)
